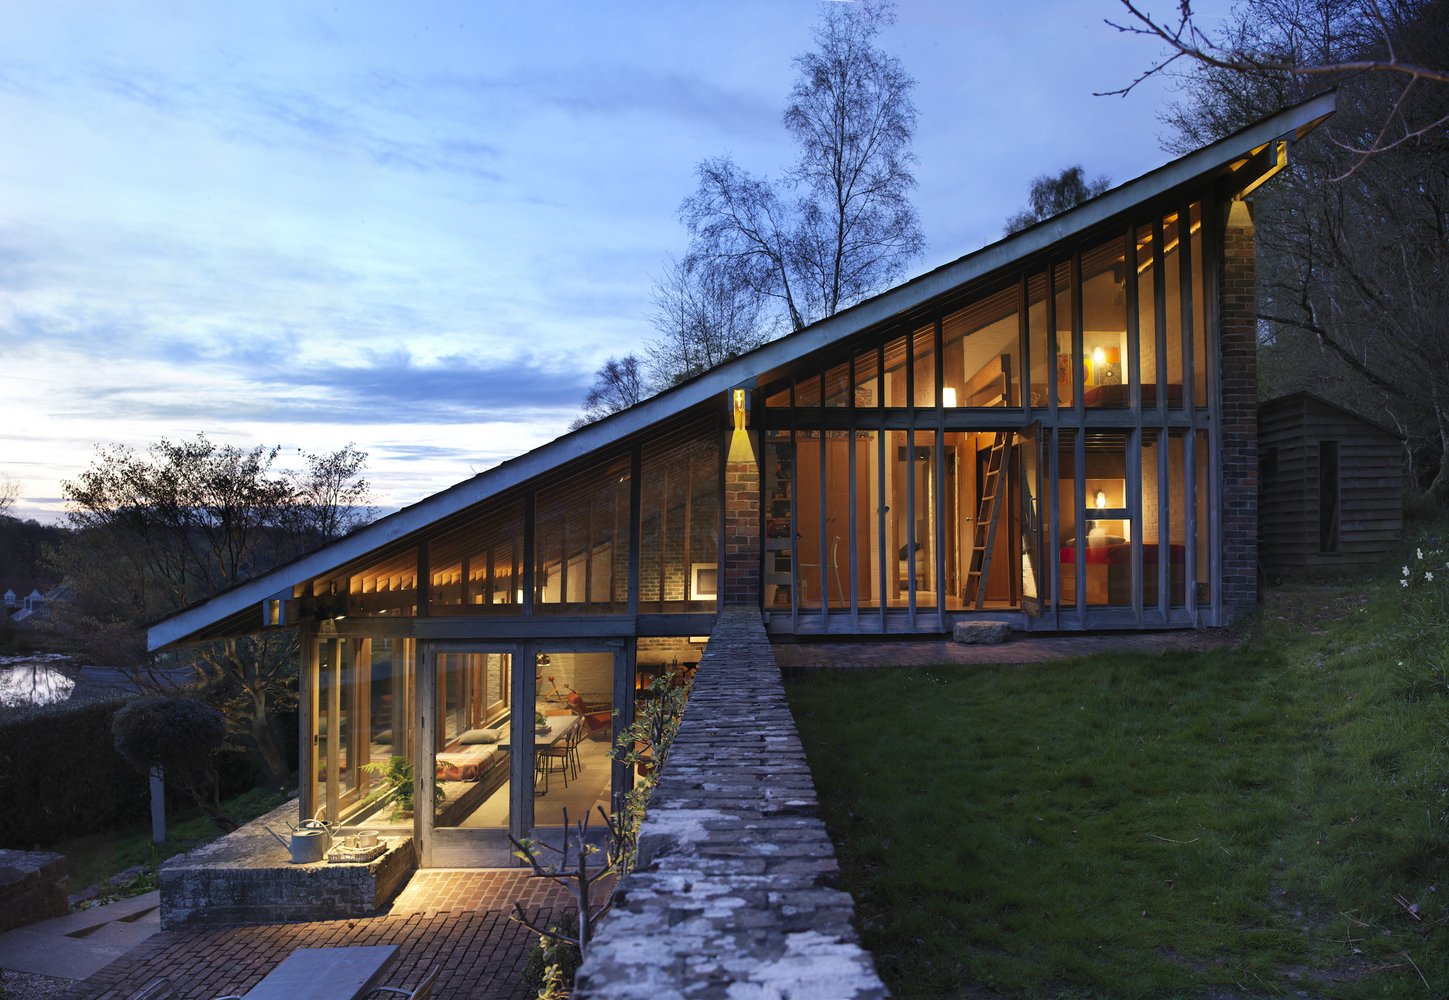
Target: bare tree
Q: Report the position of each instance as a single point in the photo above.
(705, 317)
(618, 385)
(840, 225)
(154, 532)
(9, 492)
(1353, 255)
(1316, 43)
(1051, 196)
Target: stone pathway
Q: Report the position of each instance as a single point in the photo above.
(454, 918)
(907, 652)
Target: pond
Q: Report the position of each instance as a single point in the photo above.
(35, 680)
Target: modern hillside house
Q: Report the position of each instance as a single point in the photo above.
(1058, 431)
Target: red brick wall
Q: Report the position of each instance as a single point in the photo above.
(742, 522)
(1238, 300)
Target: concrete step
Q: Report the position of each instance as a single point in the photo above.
(79, 945)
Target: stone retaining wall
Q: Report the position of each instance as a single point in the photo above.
(32, 887)
(731, 896)
(247, 877)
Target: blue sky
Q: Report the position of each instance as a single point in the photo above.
(420, 227)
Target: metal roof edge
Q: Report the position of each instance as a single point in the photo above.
(740, 371)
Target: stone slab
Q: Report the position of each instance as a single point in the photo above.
(32, 887)
(981, 633)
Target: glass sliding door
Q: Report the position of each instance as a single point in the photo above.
(467, 753)
(573, 729)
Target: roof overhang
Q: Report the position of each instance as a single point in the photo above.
(1220, 157)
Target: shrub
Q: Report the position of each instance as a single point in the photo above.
(61, 774)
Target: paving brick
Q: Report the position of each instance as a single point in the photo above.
(455, 917)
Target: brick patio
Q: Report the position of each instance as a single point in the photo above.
(454, 918)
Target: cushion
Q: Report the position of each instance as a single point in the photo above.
(384, 737)
(480, 736)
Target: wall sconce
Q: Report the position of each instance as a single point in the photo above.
(1101, 500)
(1099, 357)
(739, 408)
(948, 396)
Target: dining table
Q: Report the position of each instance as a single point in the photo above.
(324, 974)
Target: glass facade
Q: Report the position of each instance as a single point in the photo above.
(1041, 447)
(1018, 451)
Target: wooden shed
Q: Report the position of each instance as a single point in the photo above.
(1331, 486)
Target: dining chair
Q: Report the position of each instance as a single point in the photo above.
(422, 991)
(546, 760)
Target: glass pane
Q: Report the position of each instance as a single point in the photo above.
(1106, 528)
(780, 397)
(980, 348)
(835, 567)
(979, 491)
(582, 529)
(678, 532)
(1104, 325)
(837, 385)
(1199, 310)
(1152, 499)
(867, 527)
(387, 587)
(807, 513)
(1146, 317)
(1063, 292)
(471, 765)
(867, 381)
(1204, 523)
(807, 391)
(779, 572)
(1041, 356)
(1035, 588)
(924, 362)
(572, 767)
(1172, 285)
(1066, 523)
(471, 568)
(1176, 519)
(897, 519)
(895, 372)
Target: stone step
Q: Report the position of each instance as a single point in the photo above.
(981, 633)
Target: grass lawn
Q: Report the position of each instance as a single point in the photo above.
(99, 856)
(1269, 820)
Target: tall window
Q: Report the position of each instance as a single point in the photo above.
(581, 562)
(679, 522)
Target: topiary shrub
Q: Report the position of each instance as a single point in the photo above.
(181, 736)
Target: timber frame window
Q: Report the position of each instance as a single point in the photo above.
(897, 489)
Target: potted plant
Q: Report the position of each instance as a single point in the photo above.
(397, 777)
(540, 721)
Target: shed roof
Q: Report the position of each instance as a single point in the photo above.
(241, 603)
(1303, 395)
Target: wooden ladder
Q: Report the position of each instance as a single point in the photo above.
(987, 514)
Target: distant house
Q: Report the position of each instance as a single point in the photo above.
(1058, 430)
(10, 600)
(1331, 486)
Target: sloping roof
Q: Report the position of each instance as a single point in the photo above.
(1313, 397)
(1292, 123)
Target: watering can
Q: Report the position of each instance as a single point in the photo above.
(310, 840)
